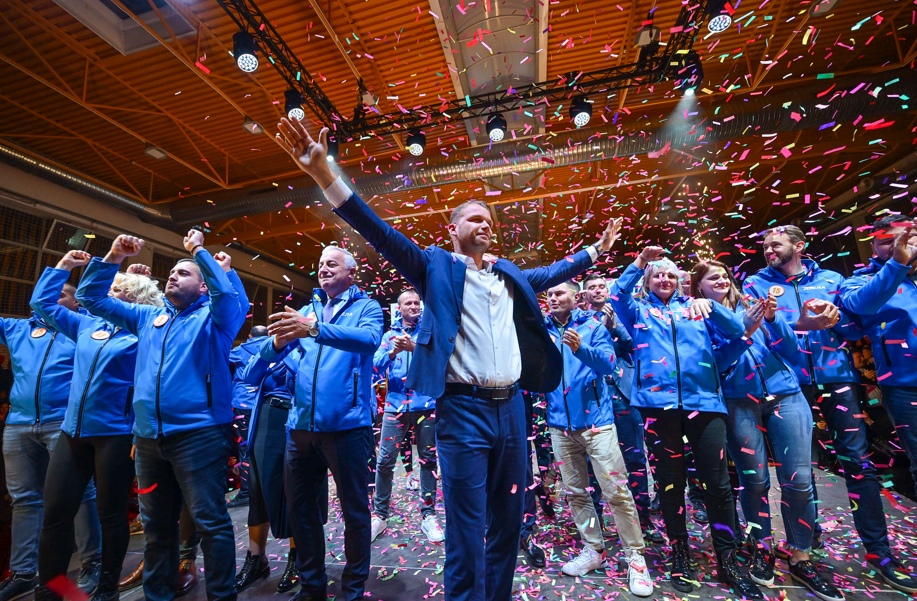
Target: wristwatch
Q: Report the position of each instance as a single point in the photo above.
(598, 248)
(313, 331)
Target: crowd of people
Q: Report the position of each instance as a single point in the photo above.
(659, 371)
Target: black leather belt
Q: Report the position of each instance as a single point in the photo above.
(279, 402)
(502, 393)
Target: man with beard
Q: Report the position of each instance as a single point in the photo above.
(831, 383)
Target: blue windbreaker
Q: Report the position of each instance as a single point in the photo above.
(623, 376)
(674, 353)
(583, 399)
(265, 379)
(399, 398)
(42, 361)
(243, 396)
(333, 375)
(823, 356)
(760, 366)
(182, 381)
(103, 367)
(884, 301)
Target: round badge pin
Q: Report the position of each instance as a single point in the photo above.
(100, 334)
(38, 333)
(656, 313)
(776, 290)
(161, 320)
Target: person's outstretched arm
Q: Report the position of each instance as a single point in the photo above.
(542, 278)
(225, 308)
(311, 157)
(867, 295)
(48, 289)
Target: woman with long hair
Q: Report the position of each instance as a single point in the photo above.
(96, 438)
(766, 409)
(676, 387)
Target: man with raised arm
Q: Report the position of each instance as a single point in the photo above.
(182, 395)
(467, 356)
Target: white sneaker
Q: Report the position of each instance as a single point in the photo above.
(378, 527)
(638, 575)
(413, 481)
(584, 563)
(430, 527)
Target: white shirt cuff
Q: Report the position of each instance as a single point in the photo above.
(337, 193)
(592, 253)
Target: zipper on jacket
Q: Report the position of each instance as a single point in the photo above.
(677, 360)
(639, 378)
(38, 385)
(808, 348)
(92, 369)
(595, 389)
(355, 376)
(130, 399)
(563, 376)
(760, 373)
(209, 393)
(888, 359)
(162, 360)
(314, 381)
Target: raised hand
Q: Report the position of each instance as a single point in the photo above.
(905, 249)
(288, 326)
(611, 234)
(140, 269)
(193, 239)
(753, 316)
(224, 260)
(770, 308)
(309, 155)
(124, 246)
(649, 254)
(74, 258)
(573, 340)
(817, 315)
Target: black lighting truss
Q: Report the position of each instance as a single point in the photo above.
(652, 68)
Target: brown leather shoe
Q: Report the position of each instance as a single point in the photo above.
(132, 580)
(187, 577)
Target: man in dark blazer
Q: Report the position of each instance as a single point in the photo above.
(478, 315)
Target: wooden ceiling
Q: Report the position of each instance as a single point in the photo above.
(72, 98)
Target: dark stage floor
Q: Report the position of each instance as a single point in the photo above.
(406, 567)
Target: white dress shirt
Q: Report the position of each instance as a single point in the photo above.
(486, 347)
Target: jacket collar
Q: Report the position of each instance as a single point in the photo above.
(874, 266)
(351, 294)
(577, 318)
(202, 299)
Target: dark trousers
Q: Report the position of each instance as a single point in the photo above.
(309, 457)
(395, 428)
(706, 435)
(73, 464)
(844, 417)
(482, 453)
(190, 466)
(240, 430)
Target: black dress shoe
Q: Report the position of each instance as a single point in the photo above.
(18, 585)
(290, 578)
(534, 554)
(254, 568)
(806, 574)
(761, 569)
(652, 535)
(700, 514)
(894, 574)
(681, 572)
(732, 575)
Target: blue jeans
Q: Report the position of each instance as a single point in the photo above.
(901, 404)
(394, 425)
(309, 457)
(844, 417)
(629, 424)
(26, 453)
(192, 466)
(784, 423)
(482, 450)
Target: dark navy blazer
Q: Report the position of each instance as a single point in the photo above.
(436, 271)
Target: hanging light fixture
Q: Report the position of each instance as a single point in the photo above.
(719, 13)
(251, 126)
(333, 149)
(154, 153)
(496, 127)
(691, 73)
(580, 111)
(293, 104)
(416, 142)
(243, 49)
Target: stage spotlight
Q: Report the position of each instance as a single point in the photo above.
(252, 127)
(719, 14)
(293, 104)
(689, 91)
(333, 149)
(691, 73)
(648, 34)
(244, 48)
(416, 142)
(496, 127)
(580, 111)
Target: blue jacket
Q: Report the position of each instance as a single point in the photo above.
(760, 366)
(583, 399)
(623, 376)
(266, 379)
(243, 396)
(822, 357)
(399, 398)
(674, 353)
(42, 361)
(440, 279)
(334, 372)
(182, 381)
(884, 301)
(103, 367)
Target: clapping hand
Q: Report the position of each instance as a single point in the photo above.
(288, 326)
(905, 249)
(753, 316)
(573, 340)
(817, 315)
